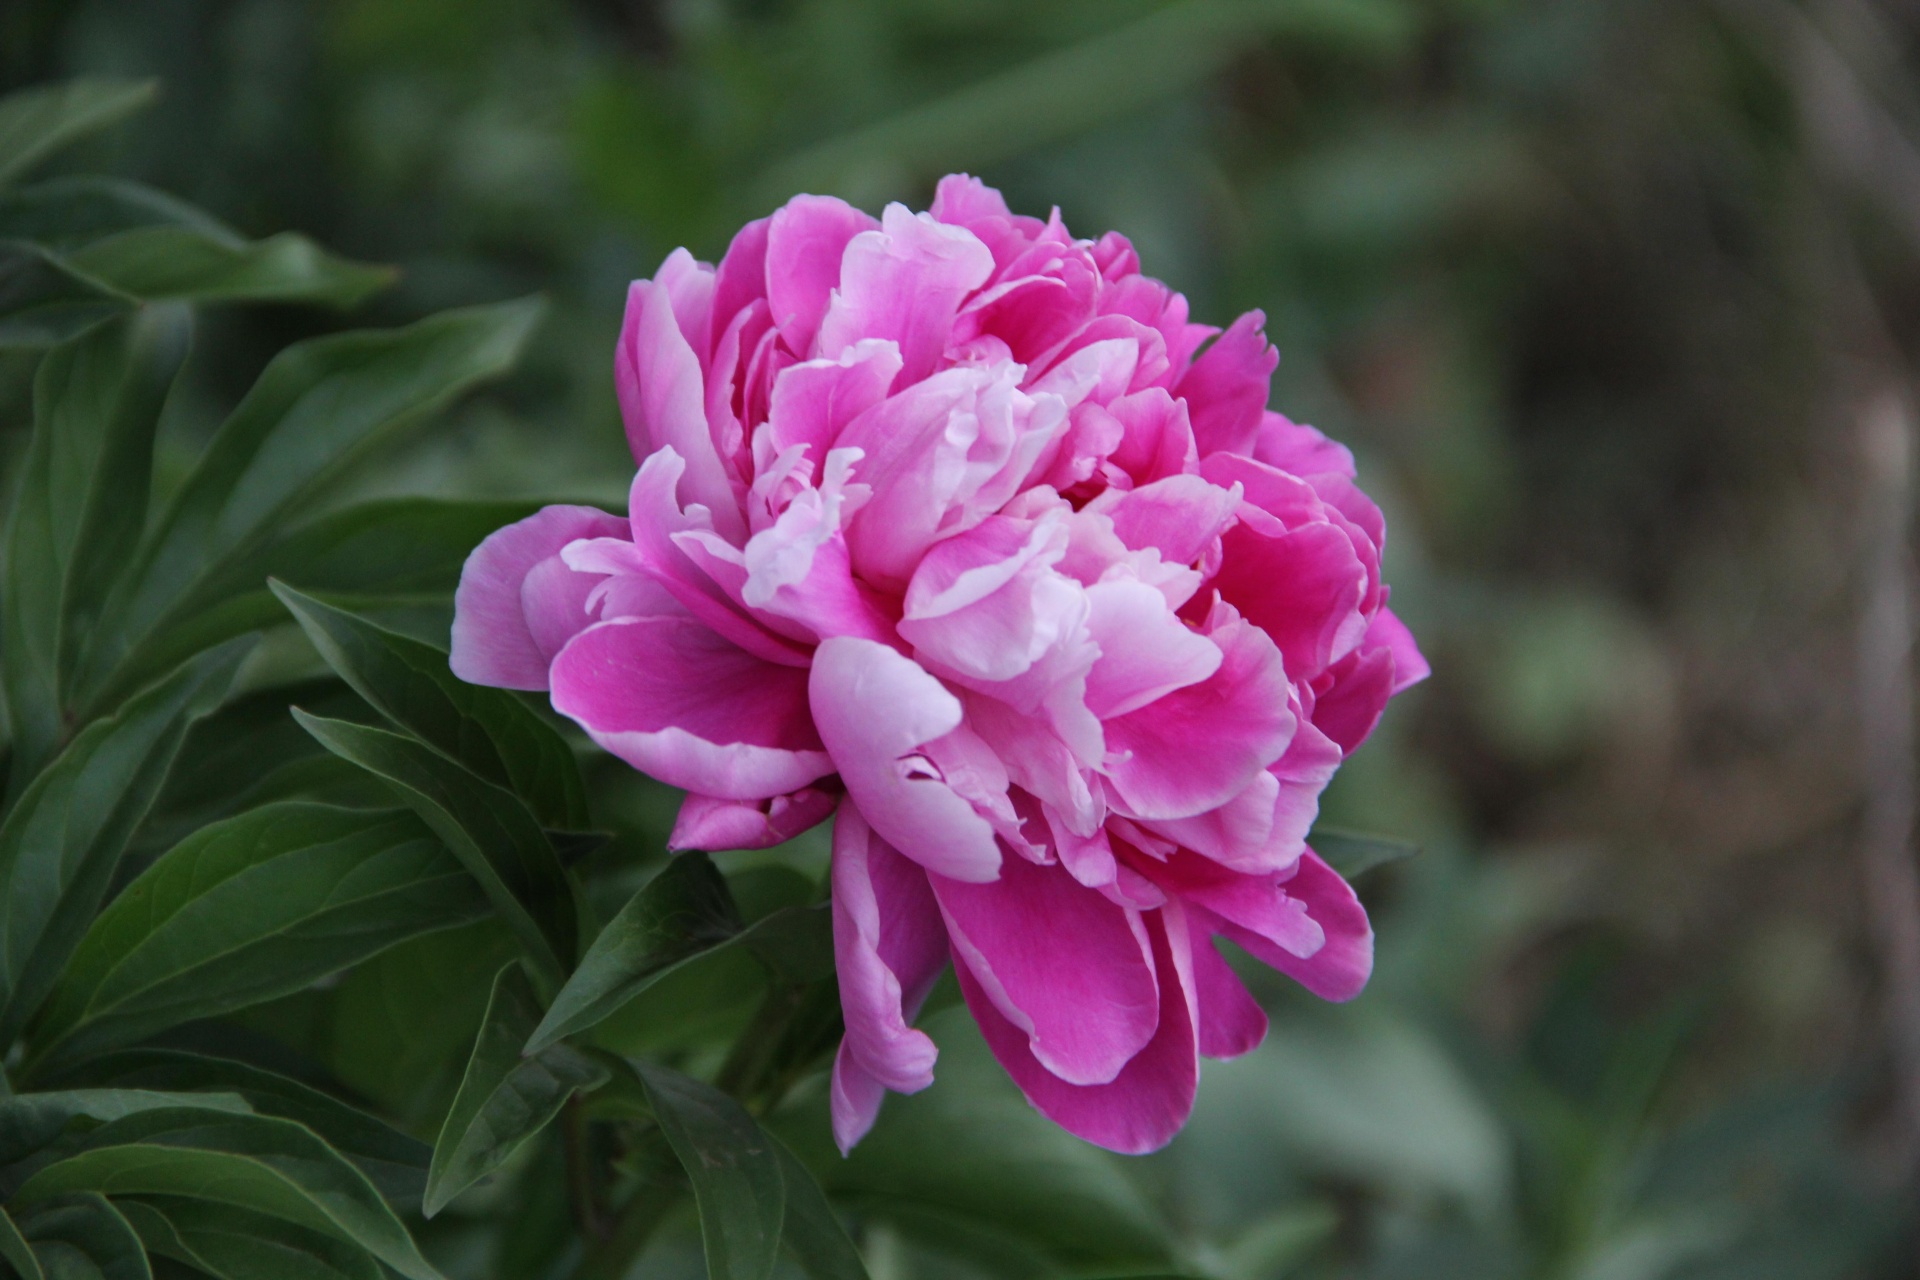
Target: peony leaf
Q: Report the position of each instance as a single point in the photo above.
(683, 914)
(734, 1166)
(82, 506)
(812, 1231)
(488, 828)
(85, 1235)
(61, 842)
(315, 412)
(35, 123)
(505, 1100)
(31, 1121)
(238, 1244)
(269, 1166)
(1353, 855)
(44, 300)
(247, 910)
(69, 212)
(192, 264)
(15, 1252)
(394, 1162)
(490, 731)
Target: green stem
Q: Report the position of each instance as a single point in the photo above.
(611, 1255)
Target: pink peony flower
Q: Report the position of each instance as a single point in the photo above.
(954, 527)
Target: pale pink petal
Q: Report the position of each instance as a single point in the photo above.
(675, 700)
(984, 606)
(1140, 1109)
(1159, 437)
(1180, 516)
(1230, 1022)
(1258, 903)
(876, 710)
(1059, 961)
(814, 401)
(806, 239)
(903, 282)
(688, 285)
(713, 824)
(1198, 747)
(1146, 651)
(494, 641)
(1226, 389)
(741, 279)
(853, 1099)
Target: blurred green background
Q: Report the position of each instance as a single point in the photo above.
(1614, 299)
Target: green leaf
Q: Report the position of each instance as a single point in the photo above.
(15, 1252)
(504, 1099)
(812, 1231)
(683, 913)
(45, 300)
(1353, 855)
(244, 911)
(69, 212)
(490, 731)
(393, 1161)
(30, 1121)
(238, 1244)
(312, 415)
(82, 505)
(84, 1235)
(35, 123)
(734, 1166)
(273, 1167)
(61, 842)
(492, 833)
(194, 265)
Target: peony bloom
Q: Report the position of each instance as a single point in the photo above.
(953, 527)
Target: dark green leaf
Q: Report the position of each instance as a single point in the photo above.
(490, 731)
(812, 1231)
(35, 123)
(194, 265)
(247, 910)
(309, 418)
(85, 1235)
(396, 1163)
(82, 505)
(504, 1099)
(1353, 855)
(238, 1244)
(681, 912)
(15, 1253)
(68, 212)
(59, 845)
(734, 1166)
(492, 833)
(45, 300)
(273, 1167)
(30, 1121)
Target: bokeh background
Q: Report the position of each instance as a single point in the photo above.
(1615, 300)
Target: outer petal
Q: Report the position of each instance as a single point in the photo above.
(1355, 694)
(1226, 389)
(1180, 516)
(1300, 449)
(806, 239)
(1200, 746)
(671, 698)
(707, 822)
(1230, 1022)
(904, 282)
(876, 709)
(1140, 1109)
(1058, 960)
(1339, 969)
(1409, 665)
(889, 946)
(493, 636)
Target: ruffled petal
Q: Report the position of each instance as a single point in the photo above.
(497, 640)
(713, 824)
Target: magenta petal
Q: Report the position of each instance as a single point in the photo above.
(806, 239)
(1179, 516)
(1060, 961)
(708, 822)
(813, 401)
(1302, 586)
(1409, 664)
(1140, 1109)
(853, 1099)
(742, 276)
(1358, 687)
(1226, 389)
(1339, 969)
(889, 945)
(1230, 1022)
(1200, 746)
(495, 640)
(671, 698)
(876, 710)
(1146, 652)
(903, 282)
(1300, 449)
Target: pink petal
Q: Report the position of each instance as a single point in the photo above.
(814, 401)
(1198, 747)
(742, 276)
(1409, 665)
(986, 605)
(1339, 969)
(889, 945)
(708, 822)
(876, 710)
(1303, 587)
(1140, 1109)
(1226, 389)
(853, 1098)
(806, 239)
(1146, 651)
(663, 399)
(1230, 1022)
(903, 282)
(671, 698)
(1180, 516)
(1258, 903)
(1071, 970)
(1159, 437)
(1299, 449)
(1356, 693)
(688, 285)
(494, 639)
